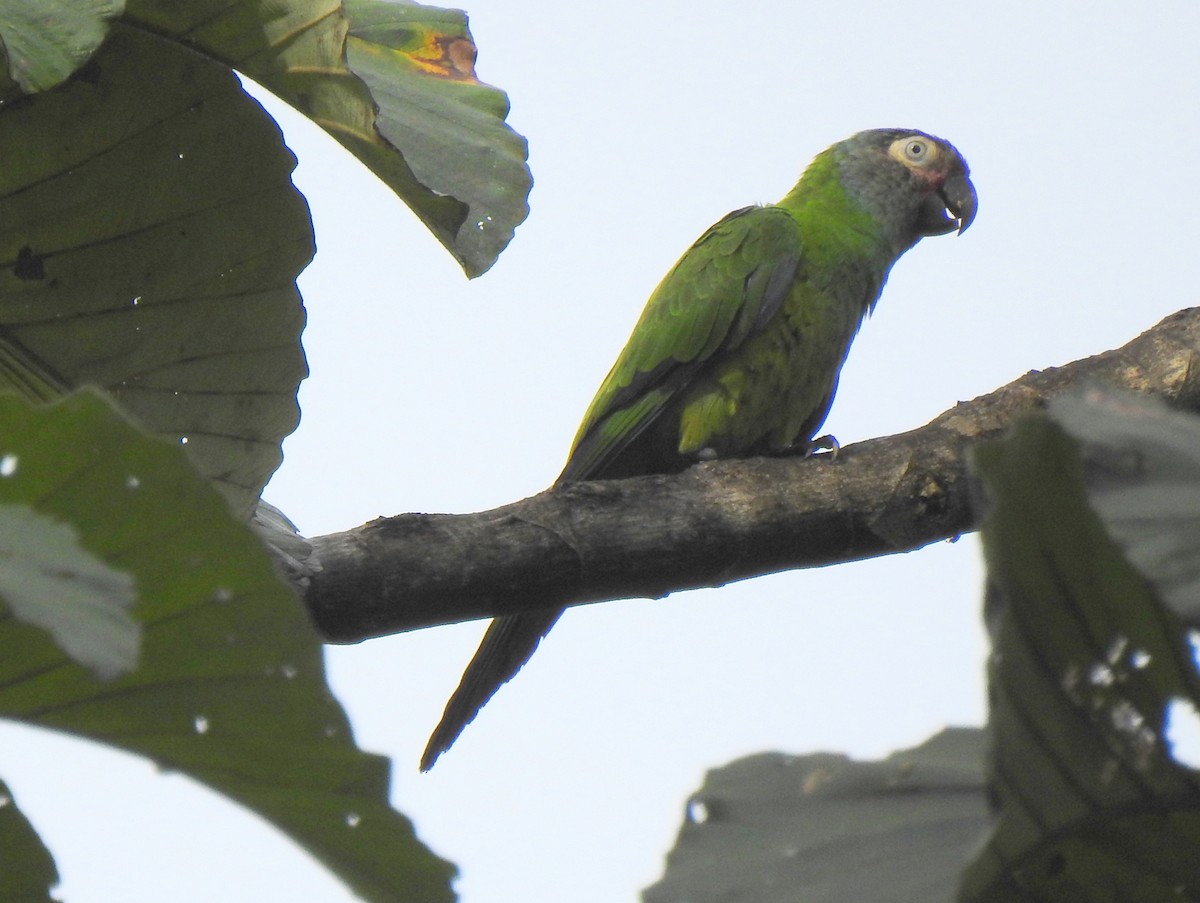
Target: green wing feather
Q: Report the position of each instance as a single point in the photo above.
(725, 288)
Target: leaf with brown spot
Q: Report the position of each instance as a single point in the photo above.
(449, 155)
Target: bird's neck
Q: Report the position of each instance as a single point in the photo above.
(835, 226)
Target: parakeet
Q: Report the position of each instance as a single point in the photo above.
(738, 350)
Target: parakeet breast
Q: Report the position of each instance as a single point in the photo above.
(775, 391)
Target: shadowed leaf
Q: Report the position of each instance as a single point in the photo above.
(151, 243)
(822, 828)
(27, 870)
(1086, 661)
(231, 687)
(1142, 462)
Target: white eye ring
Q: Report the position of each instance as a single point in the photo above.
(915, 151)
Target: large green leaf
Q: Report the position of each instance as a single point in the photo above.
(231, 686)
(1086, 664)
(43, 41)
(439, 141)
(822, 828)
(27, 870)
(150, 239)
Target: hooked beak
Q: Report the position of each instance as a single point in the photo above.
(957, 195)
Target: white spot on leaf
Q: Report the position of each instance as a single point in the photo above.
(1182, 732)
(50, 580)
(1102, 676)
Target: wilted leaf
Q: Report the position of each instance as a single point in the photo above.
(439, 141)
(774, 828)
(419, 62)
(150, 245)
(1091, 804)
(231, 687)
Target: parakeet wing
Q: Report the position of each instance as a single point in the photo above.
(723, 289)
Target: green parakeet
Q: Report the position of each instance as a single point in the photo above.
(738, 351)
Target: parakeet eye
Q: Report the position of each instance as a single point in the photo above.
(916, 149)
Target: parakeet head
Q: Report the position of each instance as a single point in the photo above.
(911, 182)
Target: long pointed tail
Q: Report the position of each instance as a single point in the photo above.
(507, 645)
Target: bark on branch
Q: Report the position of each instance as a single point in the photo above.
(715, 523)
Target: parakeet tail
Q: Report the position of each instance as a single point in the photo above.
(507, 645)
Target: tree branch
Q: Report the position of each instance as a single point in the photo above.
(715, 523)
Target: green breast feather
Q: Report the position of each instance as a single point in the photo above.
(724, 289)
(737, 351)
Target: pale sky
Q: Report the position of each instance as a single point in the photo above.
(646, 123)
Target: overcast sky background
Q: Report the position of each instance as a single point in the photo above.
(647, 121)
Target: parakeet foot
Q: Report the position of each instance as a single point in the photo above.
(827, 443)
(810, 447)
